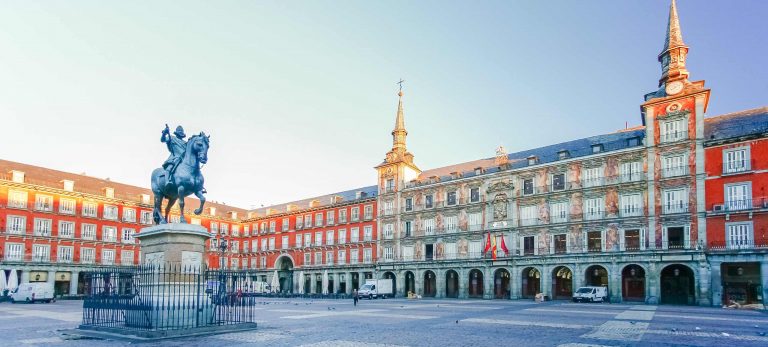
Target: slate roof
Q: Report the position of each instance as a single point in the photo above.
(325, 200)
(735, 125)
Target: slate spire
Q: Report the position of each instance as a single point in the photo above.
(674, 53)
(399, 133)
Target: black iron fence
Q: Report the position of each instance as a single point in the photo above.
(167, 297)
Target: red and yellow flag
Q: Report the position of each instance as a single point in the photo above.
(493, 247)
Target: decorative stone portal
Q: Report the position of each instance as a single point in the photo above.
(677, 285)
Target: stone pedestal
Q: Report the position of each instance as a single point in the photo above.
(173, 243)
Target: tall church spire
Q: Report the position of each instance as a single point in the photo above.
(672, 57)
(399, 133)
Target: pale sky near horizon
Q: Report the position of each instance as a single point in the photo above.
(300, 96)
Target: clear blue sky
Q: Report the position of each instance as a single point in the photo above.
(299, 96)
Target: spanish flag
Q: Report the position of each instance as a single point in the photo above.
(504, 246)
(487, 244)
(493, 247)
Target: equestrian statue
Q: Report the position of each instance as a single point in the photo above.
(180, 174)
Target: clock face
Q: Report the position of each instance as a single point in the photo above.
(674, 88)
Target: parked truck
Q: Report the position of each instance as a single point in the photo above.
(373, 289)
(591, 294)
(32, 292)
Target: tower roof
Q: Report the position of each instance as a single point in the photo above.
(400, 120)
(674, 37)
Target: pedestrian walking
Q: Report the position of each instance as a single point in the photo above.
(354, 296)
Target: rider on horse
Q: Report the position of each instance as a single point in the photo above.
(177, 146)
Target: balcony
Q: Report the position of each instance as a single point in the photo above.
(440, 204)
(743, 205)
(632, 177)
(674, 171)
(738, 244)
(675, 207)
(673, 136)
(737, 167)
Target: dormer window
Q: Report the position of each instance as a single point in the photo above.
(598, 148)
(563, 154)
(633, 142)
(69, 185)
(109, 192)
(17, 176)
(533, 160)
(478, 171)
(233, 214)
(314, 203)
(212, 211)
(145, 198)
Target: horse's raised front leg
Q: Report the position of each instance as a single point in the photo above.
(181, 202)
(171, 201)
(157, 212)
(201, 197)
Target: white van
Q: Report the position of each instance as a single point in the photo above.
(591, 294)
(31, 292)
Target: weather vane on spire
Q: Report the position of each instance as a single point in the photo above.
(400, 82)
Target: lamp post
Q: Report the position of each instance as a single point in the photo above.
(222, 259)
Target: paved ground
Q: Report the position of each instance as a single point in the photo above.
(320, 323)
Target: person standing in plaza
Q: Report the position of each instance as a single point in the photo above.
(354, 296)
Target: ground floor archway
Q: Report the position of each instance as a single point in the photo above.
(596, 276)
(410, 283)
(678, 285)
(475, 284)
(451, 284)
(501, 284)
(531, 284)
(390, 275)
(633, 283)
(562, 283)
(430, 284)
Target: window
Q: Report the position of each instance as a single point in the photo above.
(17, 199)
(129, 215)
(318, 258)
(675, 200)
(67, 206)
(318, 219)
(560, 244)
(175, 219)
(343, 215)
(674, 166)
(110, 212)
(367, 255)
(14, 251)
(271, 243)
(16, 224)
(368, 233)
(631, 205)
(739, 235)
(451, 198)
(676, 237)
(475, 221)
(672, 131)
(388, 231)
(342, 236)
(126, 257)
(475, 249)
(593, 177)
(428, 203)
(528, 186)
(738, 196)
(308, 221)
(593, 208)
(41, 253)
(64, 254)
(597, 148)
(87, 255)
(109, 234)
(368, 212)
(388, 208)
(146, 217)
(390, 186)
(429, 226)
(354, 235)
(299, 222)
(529, 215)
(263, 227)
(88, 231)
(245, 246)
(450, 250)
(224, 229)
(389, 254)
(127, 235)
(353, 255)
(529, 245)
(594, 241)
(285, 226)
(254, 246)
(299, 240)
(633, 142)
(246, 230)
(307, 240)
(408, 204)
(235, 230)
(263, 261)
(355, 214)
(559, 212)
(558, 182)
(318, 238)
(736, 160)
(42, 227)
(631, 171)
(284, 242)
(66, 229)
(408, 228)
(342, 256)
(329, 237)
(214, 227)
(214, 244)
(632, 240)
(108, 257)
(307, 258)
(330, 217)
(264, 245)
(451, 223)
(44, 203)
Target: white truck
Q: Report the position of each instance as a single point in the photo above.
(373, 289)
(591, 294)
(31, 292)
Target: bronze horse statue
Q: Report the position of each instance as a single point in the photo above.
(186, 179)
